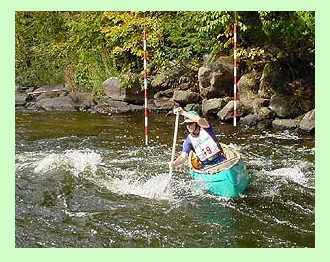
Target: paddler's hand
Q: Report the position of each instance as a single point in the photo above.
(178, 110)
(171, 165)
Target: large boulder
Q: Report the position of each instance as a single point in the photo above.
(60, 103)
(186, 97)
(215, 80)
(269, 79)
(307, 124)
(211, 107)
(113, 89)
(248, 85)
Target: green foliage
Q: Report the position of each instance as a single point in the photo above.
(35, 35)
(85, 48)
(285, 36)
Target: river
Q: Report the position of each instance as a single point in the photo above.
(88, 180)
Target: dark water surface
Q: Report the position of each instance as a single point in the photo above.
(88, 180)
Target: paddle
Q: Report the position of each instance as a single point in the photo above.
(174, 143)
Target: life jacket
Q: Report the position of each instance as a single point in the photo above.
(205, 147)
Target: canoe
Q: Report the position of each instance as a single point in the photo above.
(228, 178)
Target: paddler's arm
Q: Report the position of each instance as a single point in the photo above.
(180, 160)
(202, 122)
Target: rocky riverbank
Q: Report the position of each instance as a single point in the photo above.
(259, 104)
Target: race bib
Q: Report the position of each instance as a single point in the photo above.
(205, 146)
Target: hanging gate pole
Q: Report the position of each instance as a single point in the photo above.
(145, 86)
(235, 74)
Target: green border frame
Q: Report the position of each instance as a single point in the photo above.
(7, 244)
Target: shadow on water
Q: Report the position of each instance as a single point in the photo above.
(85, 180)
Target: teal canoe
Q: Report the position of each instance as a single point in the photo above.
(228, 178)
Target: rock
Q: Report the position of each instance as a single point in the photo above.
(212, 106)
(112, 88)
(283, 124)
(110, 107)
(102, 107)
(164, 94)
(54, 88)
(307, 124)
(186, 97)
(248, 85)
(21, 99)
(258, 106)
(259, 103)
(261, 117)
(123, 107)
(31, 89)
(56, 104)
(247, 106)
(284, 106)
(19, 88)
(215, 80)
(269, 78)
(47, 94)
(250, 120)
(194, 107)
(265, 113)
(82, 101)
(265, 124)
(227, 112)
(165, 104)
(186, 87)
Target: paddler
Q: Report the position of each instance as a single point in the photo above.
(201, 140)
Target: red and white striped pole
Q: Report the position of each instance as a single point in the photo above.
(235, 74)
(145, 86)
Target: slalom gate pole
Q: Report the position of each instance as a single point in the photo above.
(235, 74)
(145, 86)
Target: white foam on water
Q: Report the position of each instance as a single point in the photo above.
(293, 174)
(118, 180)
(271, 192)
(283, 135)
(157, 186)
(273, 181)
(77, 161)
(303, 209)
(26, 159)
(235, 146)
